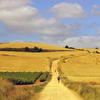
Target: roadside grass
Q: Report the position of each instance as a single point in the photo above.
(9, 92)
(85, 90)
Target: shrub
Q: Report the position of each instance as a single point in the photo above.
(66, 46)
(43, 77)
(26, 48)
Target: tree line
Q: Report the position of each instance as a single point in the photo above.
(26, 49)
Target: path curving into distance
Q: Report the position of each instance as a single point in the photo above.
(55, 90)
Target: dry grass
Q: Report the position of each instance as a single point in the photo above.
(9, 92)
(89, 80)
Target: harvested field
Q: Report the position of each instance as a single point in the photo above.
(26, 61)
(91, 50)
(11, 61)
(83, 68)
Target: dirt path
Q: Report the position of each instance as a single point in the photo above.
(55, 90)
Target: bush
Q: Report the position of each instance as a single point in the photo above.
(26, 48)
(66, 46)
(43, 77)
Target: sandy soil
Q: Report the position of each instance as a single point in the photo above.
(55, 90)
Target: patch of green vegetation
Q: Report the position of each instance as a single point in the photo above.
(21, 78)
(43, 77)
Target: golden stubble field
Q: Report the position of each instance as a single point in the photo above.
(84, 68)
(27, 61)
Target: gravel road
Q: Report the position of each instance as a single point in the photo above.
(55, 90)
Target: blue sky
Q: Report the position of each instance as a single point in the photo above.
(75, 23)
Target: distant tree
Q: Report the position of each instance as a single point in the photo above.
(96, 48)
(41, 50)
(66, 46)
(36, 49)
(71, 48)
(26, 48)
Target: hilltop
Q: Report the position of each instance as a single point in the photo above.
(31, 45)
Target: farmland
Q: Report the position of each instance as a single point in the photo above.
(82, 68)
(82, 74)
(26, 61)
(78, 65)
(21, 78)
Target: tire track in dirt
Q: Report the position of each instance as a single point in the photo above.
(55, 90)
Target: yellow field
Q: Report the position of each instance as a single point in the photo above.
(26, 61)
(31, 45)
(83, 68)
(78, 66)
(91, 50)
(22, 62)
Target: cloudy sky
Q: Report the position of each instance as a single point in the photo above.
(75, 23)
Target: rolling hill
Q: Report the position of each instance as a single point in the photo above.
(31, 45)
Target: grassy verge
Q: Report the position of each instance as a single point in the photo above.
(9, 92)
(86, 91)
(83, 89)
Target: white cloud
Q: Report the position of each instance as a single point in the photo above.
(76, 42)
(94, 10)
(24, 19)
(20, 18)
(68, 10)
(82, 42)
(12, 4)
